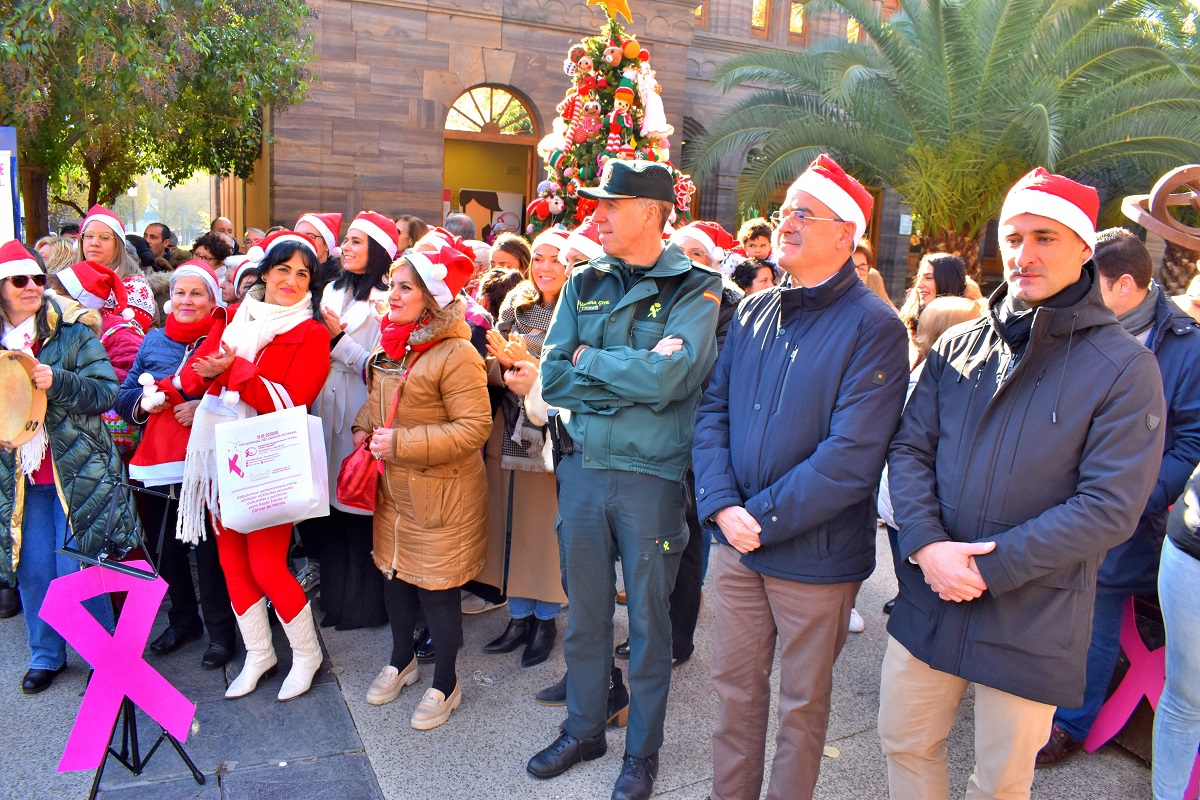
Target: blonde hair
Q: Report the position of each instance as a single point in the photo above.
(937, 317)
(875, 284)
(63, 253)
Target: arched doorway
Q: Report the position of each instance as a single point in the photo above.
(489, 171)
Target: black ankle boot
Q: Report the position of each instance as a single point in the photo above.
(541, 642)
(423, 645)
(618, 699)
(554, 695)
(516, 634)
(10, 601)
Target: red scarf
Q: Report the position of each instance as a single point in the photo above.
(395, 340)
(188, 332)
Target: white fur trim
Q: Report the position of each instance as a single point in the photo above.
(111, 222)
(436, 286)
(838, 199)
(553, 238)
(1045, 204)
(74, 287)
(322, 228)
(694, 232)
(375, 232)
(22, 266)
(577, 241)
(158, 474)
(256, 254)
(196, 272)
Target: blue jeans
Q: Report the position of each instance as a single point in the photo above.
(1177, 722)
(45, 530)
(1101, 662)
(522, 607)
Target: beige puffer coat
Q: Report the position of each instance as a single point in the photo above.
(431, 513)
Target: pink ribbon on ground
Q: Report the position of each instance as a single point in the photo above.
(120, 669)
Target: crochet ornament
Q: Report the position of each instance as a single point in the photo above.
(612, 108)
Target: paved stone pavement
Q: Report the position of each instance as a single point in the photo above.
(331, 744)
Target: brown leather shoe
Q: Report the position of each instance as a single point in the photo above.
(1060, 747)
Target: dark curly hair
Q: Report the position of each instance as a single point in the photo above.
(216, 245)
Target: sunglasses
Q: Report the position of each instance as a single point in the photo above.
(21, 281)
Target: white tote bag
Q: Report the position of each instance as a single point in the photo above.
(271, 470)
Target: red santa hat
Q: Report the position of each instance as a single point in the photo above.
(197, 268)
(436, 238)
(716, 240)
(444, 272)
(94, 285)
(555, 237)
(99, 213)
(381, 230)
(828, 182)
(259, 250)
(329, 226)
(1061, 199)
(15, 260)
(585, 239)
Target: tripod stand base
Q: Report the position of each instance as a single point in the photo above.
(130, 755)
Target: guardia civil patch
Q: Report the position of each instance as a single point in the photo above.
(1152, 421)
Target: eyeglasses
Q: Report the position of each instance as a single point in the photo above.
(21, 281)
(97, 237)
(799, 219)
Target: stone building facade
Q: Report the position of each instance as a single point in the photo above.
(372, 131)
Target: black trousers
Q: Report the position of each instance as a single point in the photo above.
(351, 584)
(685, 597)
(175, 567)
(443, 614)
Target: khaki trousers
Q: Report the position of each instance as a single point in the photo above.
(811, 621)
(917, 707)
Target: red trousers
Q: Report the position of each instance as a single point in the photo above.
(255, 565)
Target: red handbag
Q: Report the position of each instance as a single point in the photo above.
(358, 477)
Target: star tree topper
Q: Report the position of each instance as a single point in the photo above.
(614, 7)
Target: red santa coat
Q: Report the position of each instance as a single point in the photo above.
(288, 372)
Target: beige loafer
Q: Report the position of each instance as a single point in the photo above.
(389, 682)
(435, 708)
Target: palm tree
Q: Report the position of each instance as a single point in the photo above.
(950, 101)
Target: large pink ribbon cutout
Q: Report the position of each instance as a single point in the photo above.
(120, 669)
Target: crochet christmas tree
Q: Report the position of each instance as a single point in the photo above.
(612, 109)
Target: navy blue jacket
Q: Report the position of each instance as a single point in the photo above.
(1052, 460)
(794, 425)
(1175, 341)
(161, 356)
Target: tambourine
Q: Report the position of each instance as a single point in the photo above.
(24, 408)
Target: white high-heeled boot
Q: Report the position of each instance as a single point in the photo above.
(260, 654)
(306, 654)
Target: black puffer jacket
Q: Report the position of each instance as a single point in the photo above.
(83, 388)
(1053, 462)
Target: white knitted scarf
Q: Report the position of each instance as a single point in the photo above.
(21, 338)
(251, 330)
